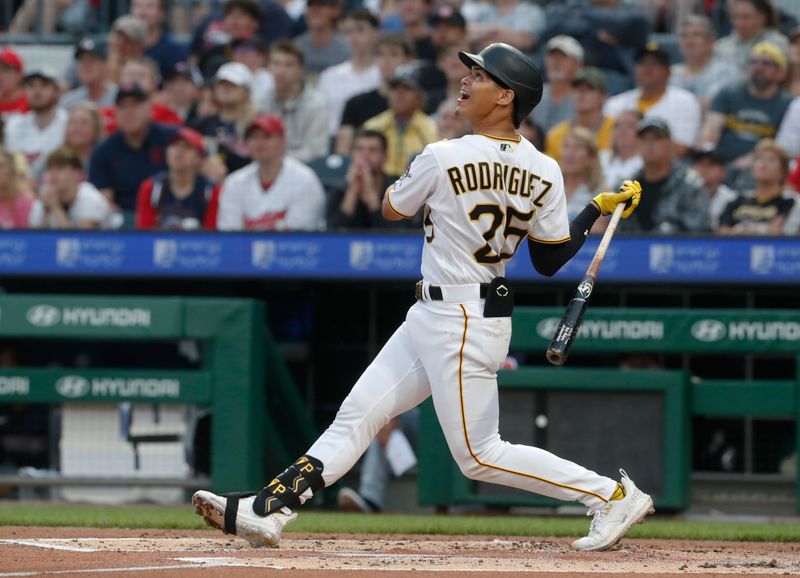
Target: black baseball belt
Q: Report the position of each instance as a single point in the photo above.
(435, 292)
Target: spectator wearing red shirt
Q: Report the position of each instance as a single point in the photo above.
(143, 72)
(180, 198)
(12, 94)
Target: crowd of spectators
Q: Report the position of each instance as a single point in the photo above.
(296, 115)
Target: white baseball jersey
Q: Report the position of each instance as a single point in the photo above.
(293, 201)
(483, 196)
(24, 135)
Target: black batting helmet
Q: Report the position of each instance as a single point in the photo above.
(511, 69)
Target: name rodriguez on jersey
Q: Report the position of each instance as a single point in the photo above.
(501, 177)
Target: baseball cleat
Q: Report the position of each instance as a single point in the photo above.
(260, 531)
(611, 520)
(349, 500)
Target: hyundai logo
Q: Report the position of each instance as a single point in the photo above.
(72, 386)
(709, 330)
(44, 315)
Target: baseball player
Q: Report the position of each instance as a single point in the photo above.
(482, 195)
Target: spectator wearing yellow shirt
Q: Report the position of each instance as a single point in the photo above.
(590, 95)
(407, 129)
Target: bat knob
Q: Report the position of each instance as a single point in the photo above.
(556, 356)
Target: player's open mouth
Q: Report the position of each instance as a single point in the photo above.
(464, 95)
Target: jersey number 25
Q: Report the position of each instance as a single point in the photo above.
(485, 254)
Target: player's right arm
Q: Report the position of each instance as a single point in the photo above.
(387, 210)
(408, 194)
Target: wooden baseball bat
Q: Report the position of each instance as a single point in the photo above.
(571, 321)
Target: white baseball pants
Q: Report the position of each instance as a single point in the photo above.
(450, 351)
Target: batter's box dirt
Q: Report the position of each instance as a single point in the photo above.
(49, 551)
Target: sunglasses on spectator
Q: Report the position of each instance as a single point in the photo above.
(763, 62)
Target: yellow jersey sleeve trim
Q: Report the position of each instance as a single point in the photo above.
(516, 140)
(391, 206)
(550, 241)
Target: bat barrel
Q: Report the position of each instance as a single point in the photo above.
(556, 356)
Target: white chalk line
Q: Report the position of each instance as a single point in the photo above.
(237, 563)
(48, 546)
(196, 566)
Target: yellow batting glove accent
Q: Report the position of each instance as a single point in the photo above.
(630, 194)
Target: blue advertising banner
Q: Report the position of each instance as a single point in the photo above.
(373, 256)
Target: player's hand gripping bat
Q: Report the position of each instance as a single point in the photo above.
(571, 321)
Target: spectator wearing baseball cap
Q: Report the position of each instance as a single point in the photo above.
(135, 152)
(12, 94)
(514, 22)
(40, 130)
(142, 72)
(181, 197)
(159, 44)
(225, 130)
(92, 74)
(745, 112)
(590, 94)
(406, 127)
(677, 200)
(300, 105)
(125, 41)
(563, 58)
(654, 97)
(273, 193)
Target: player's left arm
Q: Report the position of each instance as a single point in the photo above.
(548, 258)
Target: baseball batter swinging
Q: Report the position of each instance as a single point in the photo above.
(482, 195)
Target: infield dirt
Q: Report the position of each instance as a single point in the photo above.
(86, 552)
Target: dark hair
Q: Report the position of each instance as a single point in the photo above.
(64, 157)
(363, 15)
(766, 8)
(398, 39)
(251, 7)
(286, 46)
(369, 133)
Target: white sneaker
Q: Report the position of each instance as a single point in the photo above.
(612, 520)
(258, 530)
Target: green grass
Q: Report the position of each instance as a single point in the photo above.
(324, 522)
